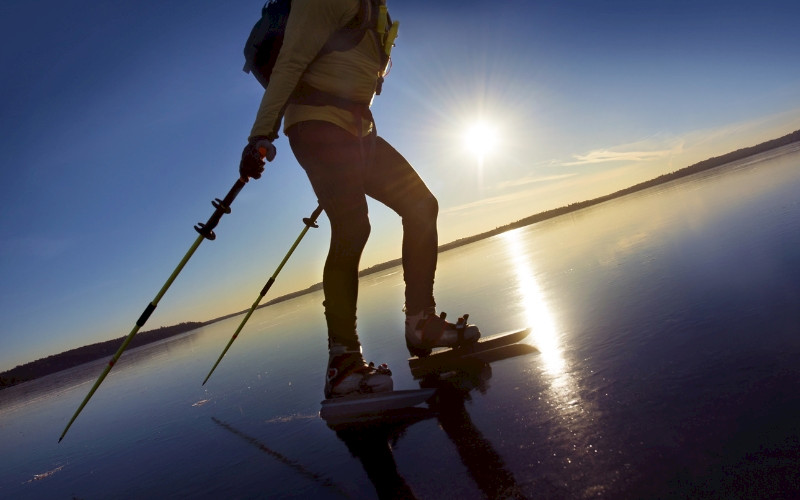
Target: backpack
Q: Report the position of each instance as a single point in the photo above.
(266, 38)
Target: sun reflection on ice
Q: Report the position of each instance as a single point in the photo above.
(545, 335)
(537, 313)
(574, 433)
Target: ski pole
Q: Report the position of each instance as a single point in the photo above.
(206, 231)
(309, 222)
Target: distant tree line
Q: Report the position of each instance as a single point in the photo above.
(80, 355)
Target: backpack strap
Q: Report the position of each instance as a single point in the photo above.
(373, 19)
(384, 34)
(351, 33)
(307, 95)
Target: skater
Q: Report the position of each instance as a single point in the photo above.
(322, 86)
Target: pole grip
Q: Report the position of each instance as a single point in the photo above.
(221, 207)
(311, 221)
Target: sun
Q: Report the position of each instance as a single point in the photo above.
(480, 139)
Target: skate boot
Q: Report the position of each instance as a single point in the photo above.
(348, 374)
(426, 330)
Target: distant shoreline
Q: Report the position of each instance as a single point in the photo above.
(81, 355)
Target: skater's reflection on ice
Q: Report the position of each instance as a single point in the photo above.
(371, 441)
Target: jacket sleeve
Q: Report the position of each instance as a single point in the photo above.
(311, 23)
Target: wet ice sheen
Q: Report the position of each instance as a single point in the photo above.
(667, 334)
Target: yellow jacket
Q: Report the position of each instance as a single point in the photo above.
(352, 74)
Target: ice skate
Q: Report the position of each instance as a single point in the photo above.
(426, 331)
(348, 374)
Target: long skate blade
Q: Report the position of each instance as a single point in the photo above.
(483, 344)
(375, 404)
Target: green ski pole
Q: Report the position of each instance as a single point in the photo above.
(206, 231)
(309, 222)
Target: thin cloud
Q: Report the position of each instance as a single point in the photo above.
(649, 149)
(492, 201)
(721, 139)
(608, 155)
(526, 181)
(523, 196)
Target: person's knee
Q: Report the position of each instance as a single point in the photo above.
(350, 236)
(432, 207)
(361, 230)
(421, 217)
(426, 209)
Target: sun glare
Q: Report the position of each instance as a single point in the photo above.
(480, 139)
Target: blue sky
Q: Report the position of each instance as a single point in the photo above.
(120, 121)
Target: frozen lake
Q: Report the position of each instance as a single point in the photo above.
(667, 331)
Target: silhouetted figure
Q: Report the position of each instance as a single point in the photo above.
(369, 441)
(321, 87)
